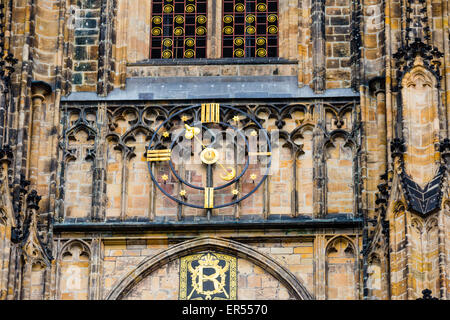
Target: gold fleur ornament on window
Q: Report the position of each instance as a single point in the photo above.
(250, 18)
(228, 30)
(239, 41)
(201, 19)
(190, 42)
(167, 54)
(261, 7)
(179, 19)
(189, 53)
(157, 20)
(250, 30)
(178, 31)
(156, 31)
(261, 41)
(228, 19)
(261, 52)
(239, 53)
(167, 42)
(272, 29)
(272, 18)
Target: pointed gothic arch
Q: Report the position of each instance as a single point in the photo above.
(150, 264)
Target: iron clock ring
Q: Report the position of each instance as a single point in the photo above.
(166, 155)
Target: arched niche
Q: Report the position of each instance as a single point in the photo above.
(296, 289)
(305, 169)
(74, 269)
(78, 174)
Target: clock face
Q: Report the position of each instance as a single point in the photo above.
(207, 150)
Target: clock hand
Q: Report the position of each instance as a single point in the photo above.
(192, 132)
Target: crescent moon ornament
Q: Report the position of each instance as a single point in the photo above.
(229, 175)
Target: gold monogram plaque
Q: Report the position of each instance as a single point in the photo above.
(208, 276)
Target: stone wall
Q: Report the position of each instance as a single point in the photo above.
(297, 254)
(337, 37)
(130, 194)
(345, 155)
(84, 43)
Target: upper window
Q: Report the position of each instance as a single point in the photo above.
(178, 29)
(250, 28)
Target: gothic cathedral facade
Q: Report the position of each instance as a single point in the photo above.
(333, 185)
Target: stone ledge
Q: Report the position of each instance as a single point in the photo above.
(182, 225)
(221, 61)
(213, 87)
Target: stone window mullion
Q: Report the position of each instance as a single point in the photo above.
(214, 45)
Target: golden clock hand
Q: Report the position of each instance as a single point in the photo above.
(191, 131)
(200, 142)
(229, 175)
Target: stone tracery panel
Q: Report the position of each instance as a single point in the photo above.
(339, 171)
(78, 176)
(130, 194)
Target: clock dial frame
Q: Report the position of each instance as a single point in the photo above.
(210, 159)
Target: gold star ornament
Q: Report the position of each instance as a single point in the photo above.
(183, 193)
(165, 177)
(235, 192)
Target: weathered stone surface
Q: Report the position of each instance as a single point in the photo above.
(348, 213)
